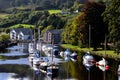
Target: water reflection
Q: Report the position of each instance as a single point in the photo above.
(11, 76)
(14, 65)
(14, 61)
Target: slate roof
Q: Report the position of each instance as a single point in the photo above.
(55, 31)
(25, 31)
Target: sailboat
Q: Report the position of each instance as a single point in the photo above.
(35, 57)
(103, 64)
(52, 69)
(74, 57)
(56, 50)
(31, 50)
(34, 54)
(42, 61)
(88, 59)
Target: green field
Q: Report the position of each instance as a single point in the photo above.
(54, 11)
(22, 25)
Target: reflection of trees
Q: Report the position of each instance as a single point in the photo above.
(20, 70)
(77, 70)
(62, 71)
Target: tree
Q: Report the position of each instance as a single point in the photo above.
(112, 18)
(93, 18)
(72, 32)
(117, 47)
(4, 37)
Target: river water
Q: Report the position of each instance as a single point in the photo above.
(14, 65)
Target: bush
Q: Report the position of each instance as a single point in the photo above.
(4, 37)
(117, 47)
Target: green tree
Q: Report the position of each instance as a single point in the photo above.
(55, 21)
(93, 12)
(71, 33)
(4, 37)
(112, 18)
(50, 27)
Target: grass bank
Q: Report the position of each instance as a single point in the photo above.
(21, 25)
(100, 52)
(54, 11)
(3, 15)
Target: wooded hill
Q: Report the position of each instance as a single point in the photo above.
(41, 4)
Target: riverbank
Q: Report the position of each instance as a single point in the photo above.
(6, 44)
(99, 52)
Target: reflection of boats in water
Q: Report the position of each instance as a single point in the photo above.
(118, 72)
(52, 70)
(35, 57)
(30, 47)
(40, 63)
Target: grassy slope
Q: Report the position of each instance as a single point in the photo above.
(103, 53)
(54, 11)
(3, 15)
(24, 25)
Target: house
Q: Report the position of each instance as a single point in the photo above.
(21, 34)
(52, 36)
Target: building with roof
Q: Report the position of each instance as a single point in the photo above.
(21, 34)
(52, 36)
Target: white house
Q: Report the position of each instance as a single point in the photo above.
(21, 34)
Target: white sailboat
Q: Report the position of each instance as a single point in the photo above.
(43, 61)
(52, 69)
(35, 57)
(34, 54)
(55, 51)
(88, 58)
(103, 64)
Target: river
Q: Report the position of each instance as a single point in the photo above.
(14, 65)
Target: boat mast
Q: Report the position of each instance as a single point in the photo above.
(39, 35)
(89, 37)
(104, 73)
(34, 40)
(53, 47)
(105, 44)
(39, 41)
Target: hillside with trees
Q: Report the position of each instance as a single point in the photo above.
(78, 29)
(103, 18)
(39, 4)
